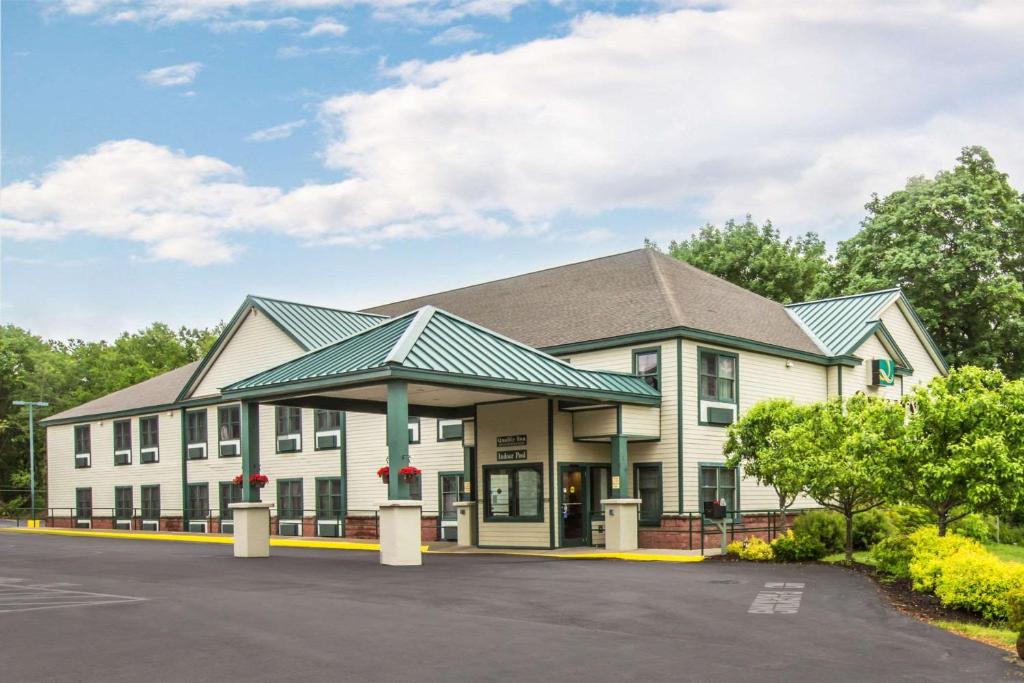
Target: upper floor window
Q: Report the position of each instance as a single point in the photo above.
(83, 446)
(289, 429)
(149, 439)
(328, 428)
(449, 430)
(195, 426)
(414, 430)
(229, 430)
(717, 376)
(122, 442)
(647, 366)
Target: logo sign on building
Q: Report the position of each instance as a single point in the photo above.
(511, 440)
(883, 372)
(518, 454)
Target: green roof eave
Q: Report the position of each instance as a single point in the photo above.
(362, 377)
(141, 410)
(705, 337)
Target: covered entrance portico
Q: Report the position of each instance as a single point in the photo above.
(430, 363)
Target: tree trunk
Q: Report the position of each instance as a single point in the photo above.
(849, 538)
(782, 516)
(1020, 646)
(943, 516)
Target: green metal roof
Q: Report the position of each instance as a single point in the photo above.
(841, 324)
(315, 326)
(431, 344)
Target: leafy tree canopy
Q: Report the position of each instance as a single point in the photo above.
(757, 258)
(955, 244)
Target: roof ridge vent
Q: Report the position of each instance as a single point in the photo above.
(404, 345)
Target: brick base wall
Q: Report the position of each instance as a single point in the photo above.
(684, 533)
(428, 529)
(361, 527)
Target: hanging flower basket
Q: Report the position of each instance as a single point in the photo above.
(383, 473)
(409, 473)
(256, 480)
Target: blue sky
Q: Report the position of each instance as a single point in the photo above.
(162, 158)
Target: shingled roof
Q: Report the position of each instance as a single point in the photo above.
(152, 395)
(636, 291)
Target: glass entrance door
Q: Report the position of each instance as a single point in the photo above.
(575, 520)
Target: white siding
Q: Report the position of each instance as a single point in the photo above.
(258, 344)
(912, 346)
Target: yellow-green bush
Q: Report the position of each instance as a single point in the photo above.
(929, 550)
(751, 549)
(792, 548)
(1015, 610)
(976, 580)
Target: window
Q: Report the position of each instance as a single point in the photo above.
(449, 430)
(122, 442)
(289, 429)
(718, 483)
(150, 502)
(451, 485)
(328, 429)
(600, 488)
(328, 498)
(123, 502)
(229, 493)
(416, 488)
(414, 430)
(149, 439)
(289, 499)
(83, 446)
(198, 501)
(647, 366)
(83, 503)
(195, 427)
(717, 376)
(229, 430)
(647, 487)
(513, 493)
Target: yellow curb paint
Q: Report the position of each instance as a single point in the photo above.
(346, 545)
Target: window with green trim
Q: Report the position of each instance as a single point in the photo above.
(123, 502)
(198, 501)
(647, 366)
(514, 493)
(414, 430)
(289, 429)
(647, 487)
(229, 431)
(328, 498)
(327, 427)
(717, 376)
(83, 447)
(229, 493)
(718, 482)
(150, 501)
(122, 442)
(195, 427)
(449, 430)
(149, 439)
(83, 503)
(450, 487)
(289, 499)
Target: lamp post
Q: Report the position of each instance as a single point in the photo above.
(32, 448)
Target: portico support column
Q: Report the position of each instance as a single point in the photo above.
(621, 512)
(399, 516)
(465, 509)
(251, 517)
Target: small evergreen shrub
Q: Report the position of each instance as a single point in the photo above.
(871, 527)
(792, 548)
(828, 528)
(893, 555)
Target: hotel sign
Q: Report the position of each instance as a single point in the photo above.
(519, 454)
(883, 372)
(511, 440)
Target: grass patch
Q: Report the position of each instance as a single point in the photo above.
(860, 556)
(1002, 638)
(1009, 553)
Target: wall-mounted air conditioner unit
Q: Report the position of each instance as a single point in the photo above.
(82, 460)
(227, 526)
(122, 457)
(197, 527)
(289, 528)
(196, 451)
(328, 439)
(83, 523)
(327, 528)
(151, 525)
(719, 414)
(123, 524)
(147, 455)
(289, 443)
(230, 448)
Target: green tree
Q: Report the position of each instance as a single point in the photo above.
(757, 258)
(754, 441)
(955, 244)
(964, 449)
(849, 450)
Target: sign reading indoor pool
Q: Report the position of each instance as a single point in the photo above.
(518, 454)
(511, 440)
(883, 372)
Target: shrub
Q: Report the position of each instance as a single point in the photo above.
(973, 526)
(871, 527)
(828, 528)
(893, 555)
(757, 550)
(909, 518)
(792, 548)
(929, 551)
(976, 580)
(1011, 535)
(734, 549)
(1015, 610)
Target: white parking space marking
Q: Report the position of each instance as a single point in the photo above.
(780, 598)
(18, 596)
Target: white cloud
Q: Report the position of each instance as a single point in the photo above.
(257, 25)
(278, 132)
(456, 35)
(326, 26)
(296, 51)
(794, 112)
(169, 76)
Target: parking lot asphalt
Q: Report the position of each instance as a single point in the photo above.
(76, 609)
